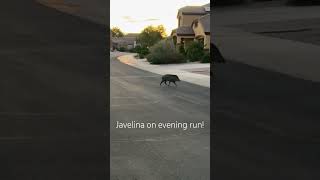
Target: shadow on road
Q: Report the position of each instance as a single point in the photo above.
(53, 119)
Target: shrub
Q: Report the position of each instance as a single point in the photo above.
(164, 52)
(206, 57)
(135, 49)
(303, 2)
(194, 51)
(122, 49)
(182, 50)
(132, 50)
(143, 52)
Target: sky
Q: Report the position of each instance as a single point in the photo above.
(132, 16)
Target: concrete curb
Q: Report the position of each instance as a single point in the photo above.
(178, 69)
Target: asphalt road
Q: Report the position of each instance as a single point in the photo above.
(53, 119)
(52, 116)
(156, 154)
(301, 30)
(93, 10)
(266, 125)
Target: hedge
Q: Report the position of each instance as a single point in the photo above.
(164, 52)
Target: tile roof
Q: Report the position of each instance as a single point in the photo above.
(192, 10)
(126, 40)
(205, 21)
(185, 30)
(132, 35)
(200, 10)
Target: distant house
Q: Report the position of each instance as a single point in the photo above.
(128, 41)
(193, 24)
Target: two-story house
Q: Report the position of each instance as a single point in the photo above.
(193, 24)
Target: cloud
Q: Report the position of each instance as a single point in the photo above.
(129, 19)
(134, 20)
(151, 19)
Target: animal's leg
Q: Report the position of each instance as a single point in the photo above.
(161, 82)
(175, 83)
(169, 83)
(166, 83)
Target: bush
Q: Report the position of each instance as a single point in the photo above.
(182, 50)
(132, 50)
(122, 49)
(135, 49)
(194, 51)
(143, 52)
(206, 57)
(164, 52)
(303, 2)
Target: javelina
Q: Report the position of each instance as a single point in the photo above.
(171, 78)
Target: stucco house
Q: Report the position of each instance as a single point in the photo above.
(128, 41)
(193, 24)
(201, 28)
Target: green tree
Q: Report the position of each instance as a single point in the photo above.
(151, 35)
(116, 32)
(162, 30)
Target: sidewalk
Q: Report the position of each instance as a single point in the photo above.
(196, 73)
(294, 58)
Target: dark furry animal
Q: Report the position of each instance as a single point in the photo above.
(216, 54)
(169, 78)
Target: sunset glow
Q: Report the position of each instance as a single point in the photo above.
(133, 16)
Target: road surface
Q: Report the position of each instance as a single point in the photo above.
(154, 154)
(266, 125)
(52, 115)
(93, 10)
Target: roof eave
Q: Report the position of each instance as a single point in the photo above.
(192, 13)
(185, 34)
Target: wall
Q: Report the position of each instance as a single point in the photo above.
(187, 20)
(199, 32)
